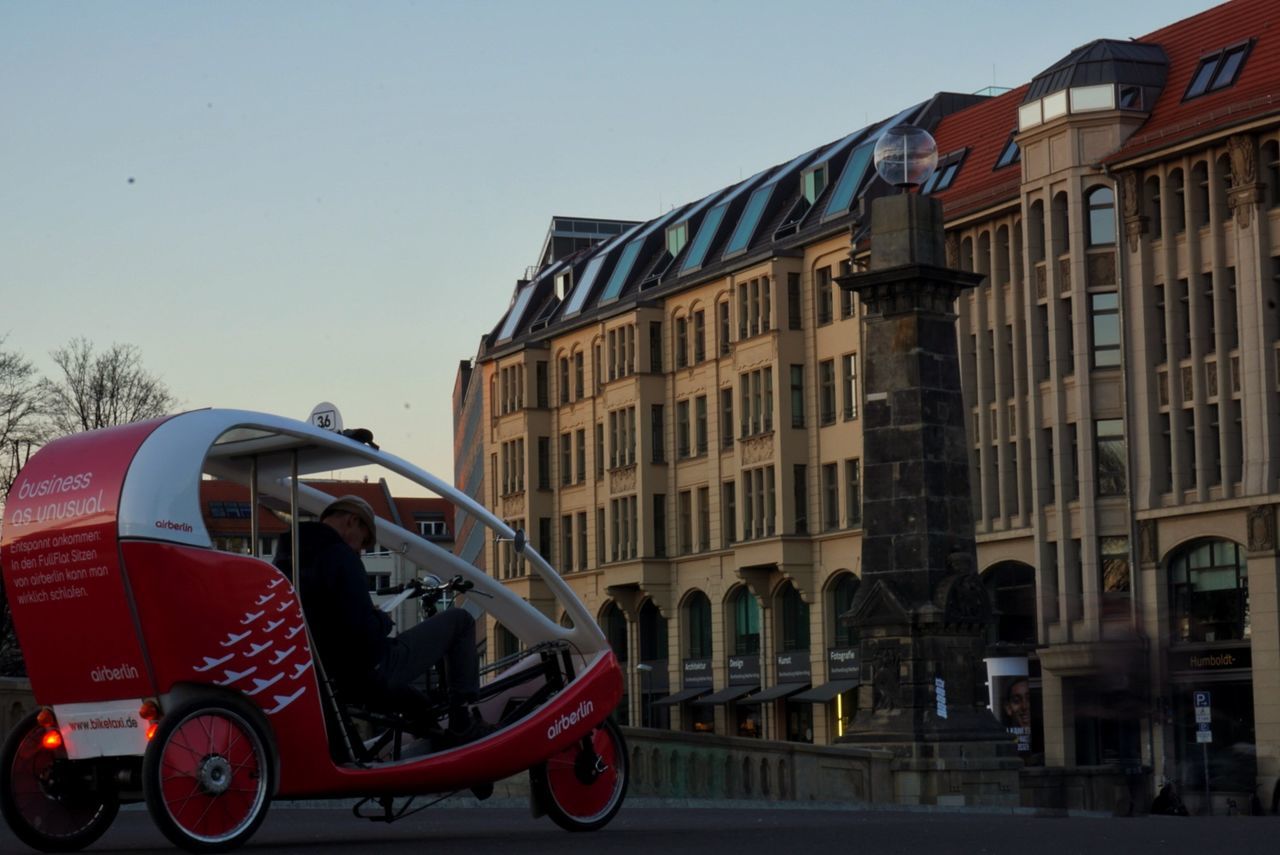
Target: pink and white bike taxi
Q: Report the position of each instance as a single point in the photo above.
(172, 673)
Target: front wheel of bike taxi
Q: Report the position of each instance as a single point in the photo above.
(583, 786)
(207, 775)
(50, 802)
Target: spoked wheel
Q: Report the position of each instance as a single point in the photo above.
(582, 787)
(207, 776)
(45, 798)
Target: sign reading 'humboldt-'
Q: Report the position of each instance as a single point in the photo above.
(1219, 659)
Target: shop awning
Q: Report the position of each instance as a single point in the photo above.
(773, 693)
(679, 697)
(825, 692)
(724, 696)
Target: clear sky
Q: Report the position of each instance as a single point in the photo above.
(281, 203)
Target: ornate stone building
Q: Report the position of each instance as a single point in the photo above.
(673, 414)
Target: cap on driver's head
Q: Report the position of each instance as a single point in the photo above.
(359, 507)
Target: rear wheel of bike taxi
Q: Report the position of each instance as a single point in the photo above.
(51, 803)
(582, 787)
(207, 775)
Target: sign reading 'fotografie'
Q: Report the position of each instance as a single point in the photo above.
(842, 663)
(1217, 659)
(697, 674)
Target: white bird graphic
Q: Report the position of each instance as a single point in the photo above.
(232, 676)
(234, 639)
(210, 663)
(281, 655)
(255, 649)
(283, 701)
(259, 685)
(250, 617)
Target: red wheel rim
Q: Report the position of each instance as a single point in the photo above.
(578, 798)
(33, 789)
(211, 775)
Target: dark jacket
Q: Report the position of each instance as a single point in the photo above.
(350, 633)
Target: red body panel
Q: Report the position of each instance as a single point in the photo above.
(62, 569)
(200, 612)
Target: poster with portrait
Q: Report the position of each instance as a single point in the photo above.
(1010, 697)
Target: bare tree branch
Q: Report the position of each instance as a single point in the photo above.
(104, 389)
(22, 408)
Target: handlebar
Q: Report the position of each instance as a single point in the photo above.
(417, 588)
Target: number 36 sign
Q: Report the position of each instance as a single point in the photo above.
(326, 417)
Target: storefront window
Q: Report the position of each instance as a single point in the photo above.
(746, 622)
(697, 614)
(1210, 592)
(794, 615)
(841, 600)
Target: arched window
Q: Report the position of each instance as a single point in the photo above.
(793, 619)
(697, 621)
(1200, 194)
(1102, 216)
(1209, 592)
(653, 633)
(1035, 232)
(1271, 172)
(614, 624)
(1012, 588)
(744, 615)
(1177, 200)
(506, 641)
(840, 600)
(1059, 224)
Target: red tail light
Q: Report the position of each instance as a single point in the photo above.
(151, 730)
(45, 719)
(51, 740)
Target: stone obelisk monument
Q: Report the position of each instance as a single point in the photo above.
(921, 612)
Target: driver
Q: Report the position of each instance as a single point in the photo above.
(351, 634)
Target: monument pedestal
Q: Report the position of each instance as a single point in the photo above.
(922, 612)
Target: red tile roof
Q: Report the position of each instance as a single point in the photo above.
(985, 129)
(226, 491)
(1255, 93)
(408, 506)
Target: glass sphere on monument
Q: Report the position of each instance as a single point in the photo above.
(905, 156)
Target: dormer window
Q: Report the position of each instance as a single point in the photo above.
(945, 174)
(813, 182)
(564, 283)
(677, 237)
(1011, 154)
(1217, 70)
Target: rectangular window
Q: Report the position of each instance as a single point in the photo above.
(1113, 564)
(579, 376)
(566, 459)
(582, 456)
(655, 434)
(853, 491)
(699, 337)
(797, 396)
(794, 316)
(540, 384)
(846, 303)
(544, 536)
(600, 544)
(704, 519)
(726, 418)
(723, 314)
(564, 380)
(1111, 457)
(800, 496)
(599, 450)
(660, 525)
(830, 498)
(729, 513)
(682, 429)
(1105, 310)
(566, 542)
(827, 391)
(682, 342)
(544, 463)
(685, 509)
(849, 368)
(742, 311)
(700, 423)
(766, 304)
(655, 347)
(582, 540)
(822, 294)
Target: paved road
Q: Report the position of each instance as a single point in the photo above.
(645, 828)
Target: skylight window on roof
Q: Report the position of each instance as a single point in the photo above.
(945, 174)
(1010, 155)
(850, 180)
(564, 281)
(702, 241)
(750, 218)
(584, 284)
(1218, 70)
(517, 312)
(621, 271)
